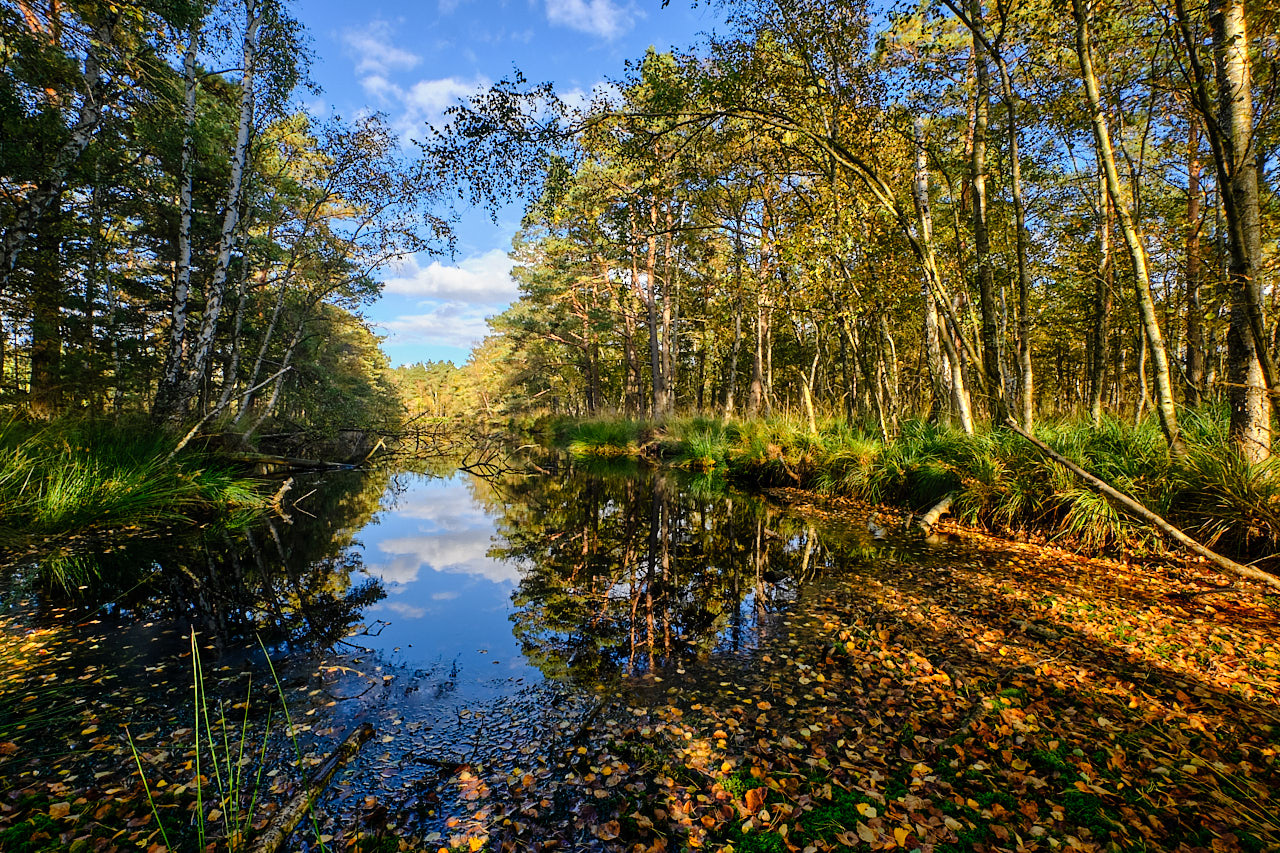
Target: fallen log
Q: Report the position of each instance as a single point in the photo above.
(930, 518)
(1136, 508)
(265, 463)
(288, 818)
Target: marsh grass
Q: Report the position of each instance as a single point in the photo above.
(997, 480)
(70, 476)
(229, 764)
(602, 437)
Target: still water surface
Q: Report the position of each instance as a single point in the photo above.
(468, 619)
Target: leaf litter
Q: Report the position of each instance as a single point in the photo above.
(984, 695)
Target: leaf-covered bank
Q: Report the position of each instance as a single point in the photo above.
(999, 482)
(994, 696)
(70, 478)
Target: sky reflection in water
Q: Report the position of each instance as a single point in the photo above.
(446, 600)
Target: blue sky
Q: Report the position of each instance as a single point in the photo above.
(414, 60)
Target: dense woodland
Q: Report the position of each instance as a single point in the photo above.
(968, 211)
(180, 238)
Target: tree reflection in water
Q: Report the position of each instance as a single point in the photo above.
(288, 581)
(624, 572)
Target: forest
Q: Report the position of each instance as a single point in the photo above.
(970, 214)
(183, 243)
(965, 214)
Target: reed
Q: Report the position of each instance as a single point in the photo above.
(70, 476)
(230, 760)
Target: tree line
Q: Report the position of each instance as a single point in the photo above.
(178, 235)
(966, 210)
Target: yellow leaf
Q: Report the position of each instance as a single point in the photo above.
(900, 835)
(475, 843)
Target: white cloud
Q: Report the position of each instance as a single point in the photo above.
(604, 18)
(455, 300)
(446, 505)
(580, 99)
(373, 51)
(408, 611)
(478, 279)
(449, 325)
(421, 104)
(412, 106)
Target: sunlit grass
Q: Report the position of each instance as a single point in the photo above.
(71, 476)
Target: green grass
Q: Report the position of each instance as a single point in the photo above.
(998, 481)
(73, 476)
(228, 767)
(602, 437)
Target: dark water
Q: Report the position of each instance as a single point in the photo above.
(469, 619)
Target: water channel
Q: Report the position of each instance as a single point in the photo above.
(469, 619)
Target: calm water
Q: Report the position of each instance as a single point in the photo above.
(468, 619)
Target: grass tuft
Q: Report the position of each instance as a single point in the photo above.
(73, 476)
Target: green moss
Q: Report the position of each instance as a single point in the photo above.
(1049, 762)
(829, 819)
(1086, 810)
(757, 842)
(739, 782)
(38, 832)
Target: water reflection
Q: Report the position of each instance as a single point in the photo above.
(291, 581)
(585, 572)
(621, 573)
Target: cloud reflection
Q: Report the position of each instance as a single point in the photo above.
(462, 552)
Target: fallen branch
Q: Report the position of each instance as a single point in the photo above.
(213, 413)
(287, 819)
(930, 518)
(1133, 507)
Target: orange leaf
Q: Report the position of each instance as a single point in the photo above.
(754, 799)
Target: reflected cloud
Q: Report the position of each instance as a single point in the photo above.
(408, 611)
(462, 552)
